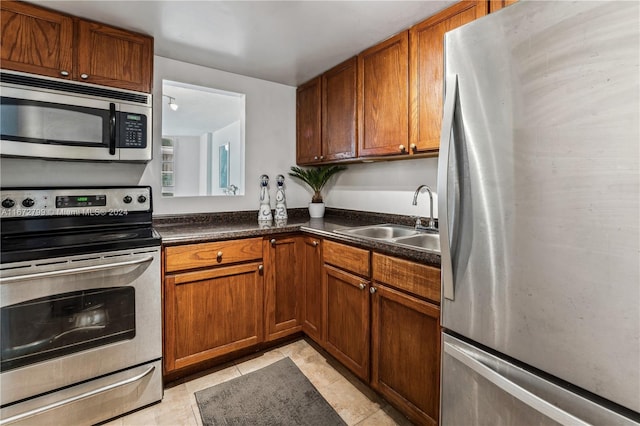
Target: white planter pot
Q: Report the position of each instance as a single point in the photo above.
(316, 210)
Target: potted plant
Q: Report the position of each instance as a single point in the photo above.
(316, 178)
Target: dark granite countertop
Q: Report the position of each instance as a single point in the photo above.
(198, 228)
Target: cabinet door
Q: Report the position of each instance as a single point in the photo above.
(113, 57)
(212, 312)
(36, 40)
(308, 122)
(339, 111)
(383, 101)
(347, 320)
(282, 289)
(406, 353)
(313, 290)
(427, 59)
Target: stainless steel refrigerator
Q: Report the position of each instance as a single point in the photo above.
(539, 209)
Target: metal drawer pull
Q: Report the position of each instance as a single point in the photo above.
(315, 244)
(219, 256)
(273, 241)
(73, 271)
(77, 397)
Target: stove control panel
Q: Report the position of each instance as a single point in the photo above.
(48, 202)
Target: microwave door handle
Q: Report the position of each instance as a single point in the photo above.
(112, 128)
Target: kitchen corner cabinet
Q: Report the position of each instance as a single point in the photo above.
(346, 306)
(313, 290)
(427, 70)
(213, 300)
(495, 5)
(339, 112)
(282, 286)
(42, 41)
(309, 122)
(383, 98)
(405, 336)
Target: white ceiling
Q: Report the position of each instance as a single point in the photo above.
(287, 42)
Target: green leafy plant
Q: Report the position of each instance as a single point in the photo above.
(316, 178)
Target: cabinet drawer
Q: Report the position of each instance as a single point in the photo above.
(421, 280)
(212, 254)
(349, 258)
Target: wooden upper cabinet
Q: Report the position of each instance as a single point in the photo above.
(495, 5)
(36, 40)
(427, 69)
(339, 111)
(45, 42)
(383, 98)
(110, 56)
(308, 122)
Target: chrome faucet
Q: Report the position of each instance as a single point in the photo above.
(432, 224)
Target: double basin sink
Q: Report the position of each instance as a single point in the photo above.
(400, 235)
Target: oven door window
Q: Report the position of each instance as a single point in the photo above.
(54, 326)
(51, 123)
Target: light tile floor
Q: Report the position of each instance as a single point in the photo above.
(353, 401)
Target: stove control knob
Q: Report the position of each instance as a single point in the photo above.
(127, 199)
(142, 199)
(7, 203)
(28, 202)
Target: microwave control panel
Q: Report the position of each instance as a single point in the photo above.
(133, 130)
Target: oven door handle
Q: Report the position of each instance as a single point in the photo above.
(77, 397)
(73, 271)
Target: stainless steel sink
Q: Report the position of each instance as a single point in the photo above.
(396, 234)
(379, 232)
(424, 241)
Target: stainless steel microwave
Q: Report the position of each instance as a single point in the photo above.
(42, 117)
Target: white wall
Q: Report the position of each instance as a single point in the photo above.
(385, 187)
(269, 137)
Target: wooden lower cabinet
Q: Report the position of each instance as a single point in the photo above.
(347, 319)
(313, 290)
(282, 286)
(405, 352)
(212, 312)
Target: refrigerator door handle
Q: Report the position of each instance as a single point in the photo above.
(512, 388)
(446, 225)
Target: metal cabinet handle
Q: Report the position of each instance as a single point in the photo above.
(315, 157)
(84, 76)
(219, 256)
(362, 286)
(273, 241)
(413, 147)
(401, 148)
(73, 271)
(260, 268)
(372, 290)
(322, 157)
(78, 397)
(315, 243)
(64, 73)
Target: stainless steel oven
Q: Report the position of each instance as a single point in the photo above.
(80, 305)
(47, 118)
